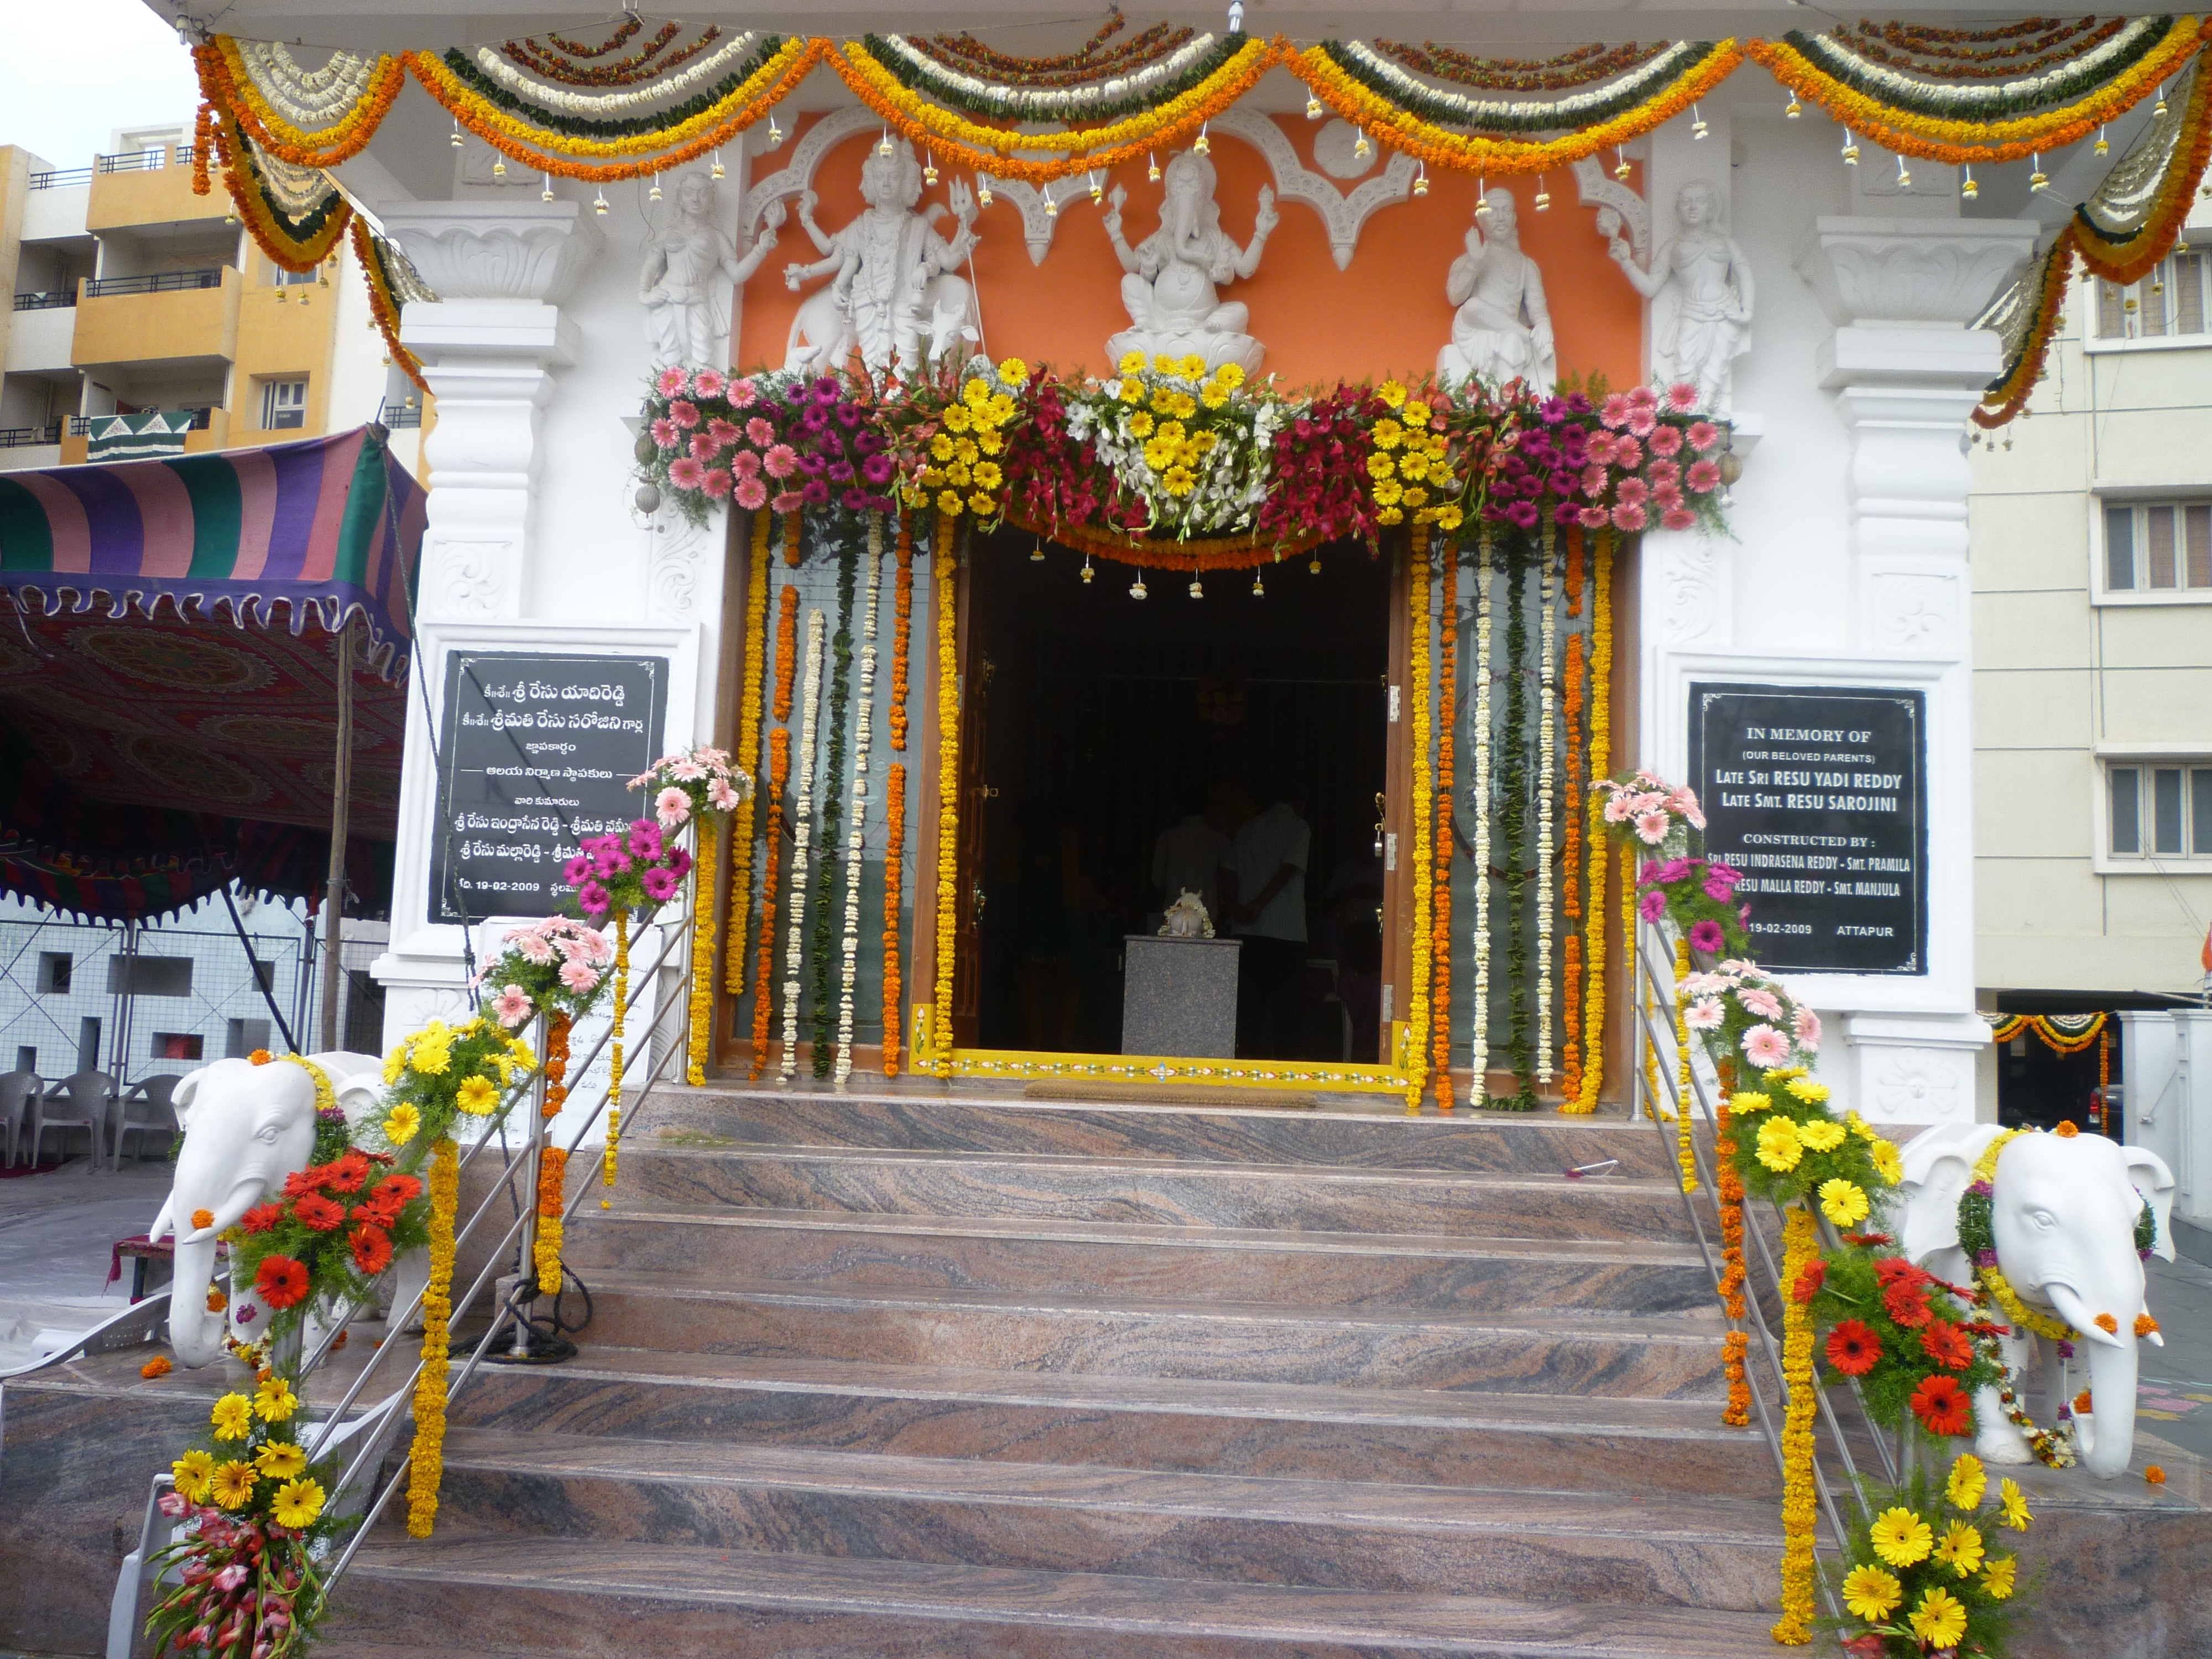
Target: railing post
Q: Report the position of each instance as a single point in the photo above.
(526, 1290)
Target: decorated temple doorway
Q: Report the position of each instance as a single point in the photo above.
(1114, 746)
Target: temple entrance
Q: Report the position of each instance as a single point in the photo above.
(1112, 749)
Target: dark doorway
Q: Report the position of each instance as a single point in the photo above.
(1112, 719)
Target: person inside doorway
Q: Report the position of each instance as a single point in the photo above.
(1189, 857)
(1264, 887)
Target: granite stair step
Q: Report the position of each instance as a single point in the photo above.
(1658, 1355)
(503, 1595)
(1160, 1193)
(1049, 1256)
(1646, 1549)
(1533, 1143)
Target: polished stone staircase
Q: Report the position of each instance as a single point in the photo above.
(976, 1377)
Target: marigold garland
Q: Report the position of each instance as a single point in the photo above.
(426, 1460)
(291, 245)
(1800, 1248)
(1738, 1341)
(1195, 556)
(700, 1007)
(225, 83)
(779, 753)
(1686, 1146)
(739, 923)
(1601, 761)
(944, 586)
(901, 633)
(1417, 1000)
(545, 1245)
(894, 877)
(1446, 727)
(614, 1054)
(382, 307)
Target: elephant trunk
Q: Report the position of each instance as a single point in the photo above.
(2112, 1408)
(195, 1333)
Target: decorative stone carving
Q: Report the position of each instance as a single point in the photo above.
(1917, 1088)
(1174, 305)
(893, 294)
(1916, 615)
(1690, 580)
(796, 176)
(1618, 207)
(691, 268)
(497, 249)
(1037, 225)
(1700, 289)
(1337, 152)
(1343, 213)
(1502, 330)
(471, 578)
(1887, 271)
(672, 578)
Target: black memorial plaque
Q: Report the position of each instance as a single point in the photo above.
(534, 751)
(1819, 796)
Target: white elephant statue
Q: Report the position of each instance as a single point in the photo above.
(2063, 1214)
(246, 1129)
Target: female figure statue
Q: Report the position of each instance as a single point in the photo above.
(691, 272)
(1707, 325)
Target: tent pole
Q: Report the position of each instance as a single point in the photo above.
(341, 802)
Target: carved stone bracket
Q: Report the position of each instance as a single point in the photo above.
(1597, 188)
(1037, 225)
(1342, 213)
(796, 176)
(497, 249)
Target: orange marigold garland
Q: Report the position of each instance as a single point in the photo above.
(225, 84)
(553, 1161)
(944, 586)
(1800, 1248)
(779, 776)
(1738, 1414)
(1440, 917)
(739, 934)
(902, 631)
(381, 306)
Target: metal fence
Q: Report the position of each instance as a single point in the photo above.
(160, 282)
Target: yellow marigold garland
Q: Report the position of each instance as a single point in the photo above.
(615, 1055)
(269, 233)
(1440, 929)
(894, 877)
(382, 307)
(1734, 1345)
(1399, 129)
(700, 1009)
(1601, 761)
(944, 583)
(553, 1161)
(225, 83)
(1800, 1248)
(738, 935)
(1686, 1147)
(1417, 1000)
(426, 1461)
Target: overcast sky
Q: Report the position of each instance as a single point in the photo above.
(74, 72)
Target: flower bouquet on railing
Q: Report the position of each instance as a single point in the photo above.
(324, 1243)
(253, 1510)
(700, 786)
(1922, 1571)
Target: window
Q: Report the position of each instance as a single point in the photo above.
(244, 1036)
(176, 1045)
(2168, 304)
(54, 967)
(2151, 546)
(27, 1057)
(149, 976)
(2160, 811)
(87, 1044)
(283, 405)
(281, 278)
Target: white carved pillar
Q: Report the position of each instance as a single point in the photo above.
(501, 270)
(1907, 369)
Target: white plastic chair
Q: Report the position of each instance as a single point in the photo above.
(17, 1091)
(144, 1108)
(77, 1102)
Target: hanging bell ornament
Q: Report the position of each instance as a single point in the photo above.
(1543, 195)
(499, 167)
(1137, 587)
(1153, 171)
(1794, 110)
(648, 498)
(775, 133)
(928, 168)
(1361, 150)
(717, 170)
(1197, 588)
(546, 194)
(644, 449)
(983, 189)
(653, 194)
(1621, 169)
(1314, 110)
(1421, 181)
(2103, 145)
(1259, 587)
(1087, 572)
(1203, 143)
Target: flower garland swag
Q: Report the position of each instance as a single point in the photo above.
(738, 935)
(1478, 1089)
(297, 227)
(1417, 1000)
(894, 798)
(547, 1238)
(1737, 1343)
(1570, 824)
(779, 746)
(2076, 1033)
(702, 787)
(1686, 1153)
(1800, 1517)
(1447, 737)
(426, 1457)
(1601, 755)
(1548, 748)
(945, 588)
(383, 302)
(802, 809)
(831, 813)
(1513, 788)
(863, 732)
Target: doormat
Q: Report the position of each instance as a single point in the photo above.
(1188, 1094)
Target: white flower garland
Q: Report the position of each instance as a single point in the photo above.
(1994, 98)
(1559, 112)
(802, 818)
(306, 97)
(1046, 103)
(607, 103)
(862, 732)
(1548, 748)
(1479, 1058)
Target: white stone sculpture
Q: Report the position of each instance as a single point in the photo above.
(893, 292)
(1187, 919)
(1700, 288)
(1502, 330)
(1170, 291)
(248, 1127)
(692, 269)
(2064, 1212)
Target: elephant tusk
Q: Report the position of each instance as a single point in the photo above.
(2076, 1312)
(242, 1197)
(2155, 1338)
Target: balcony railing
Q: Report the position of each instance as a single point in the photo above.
(165, 281)
(397, 417)
(23, 437)
(60, 299)
(81, 426)
(61, 179)
(152, 159)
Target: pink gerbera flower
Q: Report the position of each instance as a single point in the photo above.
(1703, 475)
(686, 473)
(716, 483)
(668, 383)
(1614, 412)
(1759, 1001)
(744, 465)
(1593, 481)
(1628, 518)
(591, 899)
(1681, 396)
(535, 948)
(743, 394)
(1643, 397)
(1593, 518)
(1764, 1047)
(709, 382)
(1666, 440)
(672, 806)
(659, 884)
(704, 447)
(1600, 448)
(687, 770)
(1652, 906)
(1617, 807)
(1667, 498)
(1633, 490)
(1642, 420)
(511, 1006)
(1705, 1014)
(664, 433)
(1660, 474)
(759, 433)
(786, 500)
(685, 415)
(1651, 827)
(1677, 518)
(1806, 1024)
(721, 432)
(781, 462)
(1627, 453)
(580, 976)
(752, 494)
(723, 796)
(1704, 434)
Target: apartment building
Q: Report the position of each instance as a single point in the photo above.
(131, 296)
(2093, 668)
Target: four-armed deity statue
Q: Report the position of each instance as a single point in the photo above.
(1171, 290)
(1502, 330)
(691, 268)
(893, 295)
(1701, 293)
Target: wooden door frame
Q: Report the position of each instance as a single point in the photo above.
(1398, 816)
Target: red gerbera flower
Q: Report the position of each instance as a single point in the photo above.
(405, 1185)
(1809, 1282)
(1940, 1405)
(1947, 1344)
(1907, 1304)
(261, 1218)
(1865, 1241)
(318, 1212)
(302, 1182)
(372, 1249)
(1895, 1269)
(347, 1173)
(1853, 1348)
(281, 1282)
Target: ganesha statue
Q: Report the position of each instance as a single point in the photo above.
(1187, 919)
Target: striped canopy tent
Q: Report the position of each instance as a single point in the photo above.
(169, 682)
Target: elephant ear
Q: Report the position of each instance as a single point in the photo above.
(1938, 1164)
(2155, 1182)
(182, 1097)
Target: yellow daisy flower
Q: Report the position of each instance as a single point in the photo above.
(1843, 1202)
(1014, 372)
(948, 502)
(1416, 496)
(1940, 1620)
(395, 1065)
(431, 1056)
(477, 1095)
(940, 447)
(2016, 1514)
(1902, 1538)
(1392, 393)
(232, 1485)
(1387, 492)
(1783, 1074)
(975, 393)
(1747, 1101)
(192, 1473)
(987, 474)
(1449, 517)
(401, 1123)
(274, 1401)
(1380, 465)
(1960, 1549)
(1388, 434)
(1141, 423)
(1821, 1134)
(279, 1459)
(1779, 1148)
(983, 505)
(1133, 363)
(1889, 1163)
(1997, 1578)
(1872, 1594)
(1806, 1090)
(957, 475)
(1171, 432)
(1132, 392)
(1179, 480)
(1229, 375)
(297, 1503)
(955, 417)
(1968, 1481)
(1191, 367)
(233, 1417)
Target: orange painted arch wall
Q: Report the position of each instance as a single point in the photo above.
(1385, 314)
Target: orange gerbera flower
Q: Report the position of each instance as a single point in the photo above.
(1853, 1349)
(1942, 1405)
